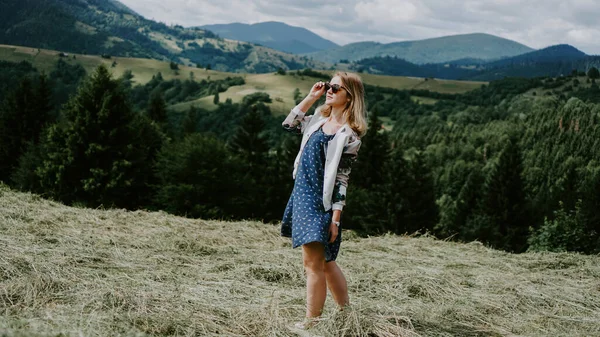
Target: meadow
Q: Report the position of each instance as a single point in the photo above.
(69, 271)
(279, 87)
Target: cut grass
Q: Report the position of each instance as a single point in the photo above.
(93, 272)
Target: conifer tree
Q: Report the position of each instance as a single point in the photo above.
(190, 121)
(157, 108)
(593, 73)
(397, 183)
(250, 145)
(366, 209)
(103, 153)
(23, 116)
(249, 141)
(374, 153)
(422, 215)
(198, 177)
(504, 201)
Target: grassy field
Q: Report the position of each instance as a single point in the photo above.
(280, 88)
(90, 272)
(142, 69)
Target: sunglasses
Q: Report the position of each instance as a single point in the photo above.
(334, 87)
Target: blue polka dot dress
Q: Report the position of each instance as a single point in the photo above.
(305, 219)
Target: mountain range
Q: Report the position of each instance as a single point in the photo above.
(276, 35)
(559, 60)
(435, 50)
(107, 27)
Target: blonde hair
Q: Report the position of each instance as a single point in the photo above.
(354, 113)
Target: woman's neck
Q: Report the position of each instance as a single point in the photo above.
(337, 115)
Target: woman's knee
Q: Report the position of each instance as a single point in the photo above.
(314, 257)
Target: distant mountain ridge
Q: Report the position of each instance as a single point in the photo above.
(434, 50)
(111, 28)
(560, 52)
(276, 35)
(559, 60)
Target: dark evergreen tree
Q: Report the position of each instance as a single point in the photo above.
(199, 177)
(395, 197)
(190, 121)
(23, 115)
(374, 152)
(216, 99)
(422, 213)
(157, 108)
(250, 145)
(365, 211)
(249, 142)
(504, 202)
(593, 73)
(43, 108)
(103, 152)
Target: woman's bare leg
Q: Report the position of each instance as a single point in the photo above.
(313, 255)
(337, 284)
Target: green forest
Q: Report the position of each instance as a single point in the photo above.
(514, 171)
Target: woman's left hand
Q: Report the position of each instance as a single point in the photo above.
(333, 232)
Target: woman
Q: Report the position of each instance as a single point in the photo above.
(330, 143)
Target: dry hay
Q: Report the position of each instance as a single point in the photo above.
(92, 272)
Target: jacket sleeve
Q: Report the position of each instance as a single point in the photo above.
(296, 121)
(343, 173)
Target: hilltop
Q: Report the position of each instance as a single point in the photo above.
(276, 35)
(434, 50)
(110, 28)
(73, 271)
(553, 61)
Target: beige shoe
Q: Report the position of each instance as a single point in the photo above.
(302, 328)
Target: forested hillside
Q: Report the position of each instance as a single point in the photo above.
(512, 164)
(109, 28)
(554, 61)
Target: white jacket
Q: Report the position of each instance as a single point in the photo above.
(341, 152)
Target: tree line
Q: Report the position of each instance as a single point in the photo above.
(515, 172)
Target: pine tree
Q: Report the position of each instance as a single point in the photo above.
(365, 201)
(216, 99)
(422, 215)
(374, 152)
(504, 201)
(19, 125)
(103, 152)
(43, 108)
(249, 141)
(593, 73)
(23, 177)
(396, 186)
(198, 177)
(157, 108)
(250, 145)
(190, 122)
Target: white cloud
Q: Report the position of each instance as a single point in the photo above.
(536, 23)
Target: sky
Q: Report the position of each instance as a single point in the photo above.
(535, 23)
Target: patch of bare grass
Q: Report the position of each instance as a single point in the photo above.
(92, 272)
